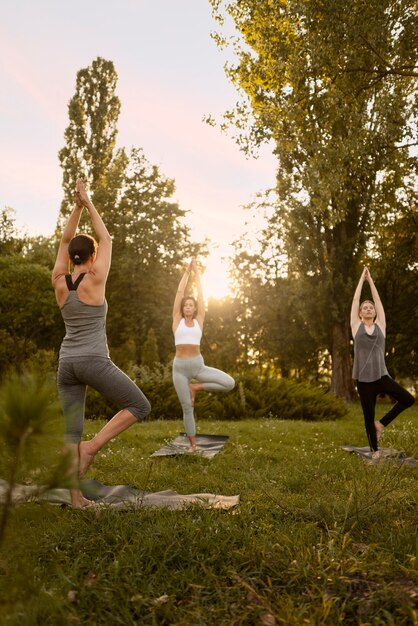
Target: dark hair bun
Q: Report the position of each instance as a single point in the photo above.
(81, 248)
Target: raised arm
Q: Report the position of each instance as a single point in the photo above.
(61, 266)
(380, 311)
(355, 305)
(200, 300)
(179, 296)
(101, 265)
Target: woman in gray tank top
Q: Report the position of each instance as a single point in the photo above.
(84, 355)
(368, 326)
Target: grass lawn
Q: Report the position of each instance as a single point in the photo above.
(319, 538)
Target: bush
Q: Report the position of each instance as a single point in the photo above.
(252, 397)
(279, 398)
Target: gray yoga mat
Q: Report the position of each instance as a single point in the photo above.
(119, 496)
(207, 446)
(389, 455)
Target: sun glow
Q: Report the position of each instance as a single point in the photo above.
(215, 281)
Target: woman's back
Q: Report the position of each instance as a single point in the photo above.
(85, 328)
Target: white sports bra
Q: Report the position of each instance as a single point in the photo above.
(188, 334)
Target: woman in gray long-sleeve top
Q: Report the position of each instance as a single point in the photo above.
(368, 326)
(84, 355)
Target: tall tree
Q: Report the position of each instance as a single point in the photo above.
(393, 251)
(150, 239)
(91, 134)
(279, 307)
(317, 81)
(151, 242)
(150, 356)
(222, 341)
(10, 241)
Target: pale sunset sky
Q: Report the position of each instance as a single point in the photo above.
(170, 76)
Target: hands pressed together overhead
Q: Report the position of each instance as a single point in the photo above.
(192, 266)
(366, 274)
(81, 196)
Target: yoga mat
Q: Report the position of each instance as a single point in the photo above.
(388, 455)
(206, 446)
(119, 496)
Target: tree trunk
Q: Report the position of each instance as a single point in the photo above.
(341, 381)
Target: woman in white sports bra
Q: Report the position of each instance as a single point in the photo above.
(188, 364)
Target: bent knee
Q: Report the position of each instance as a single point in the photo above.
(140, 411)
(410, 401)
(146, 407)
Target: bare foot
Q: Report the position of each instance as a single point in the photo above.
(78, 501)
(85, 458)
(379, 429)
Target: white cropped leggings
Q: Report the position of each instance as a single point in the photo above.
(211, 378)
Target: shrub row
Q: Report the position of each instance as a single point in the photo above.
(252, 397)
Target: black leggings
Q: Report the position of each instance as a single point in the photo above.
(368, 393)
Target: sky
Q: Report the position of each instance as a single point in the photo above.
(170, 76)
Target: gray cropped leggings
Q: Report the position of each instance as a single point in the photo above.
(74, 375)
(213, 380)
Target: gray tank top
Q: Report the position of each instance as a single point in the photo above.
(85, 325)
(369, 355)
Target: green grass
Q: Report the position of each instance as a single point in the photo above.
(319, 538)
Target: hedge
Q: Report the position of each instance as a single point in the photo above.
(252, 397)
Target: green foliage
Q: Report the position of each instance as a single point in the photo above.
(10, 241)
(319, 537)
(29, 318)
(28, 310)
(150, 357)
(150, 243)
(157, 385)
(253, 396)
(40, 251)
(270, 397)
(43, 363)
(26, 408)
(394, 245)
(135, 200)
(284, 326)
(29, 413)
(223, 334)
(9, 348)
(124, 355)
(91, 134)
